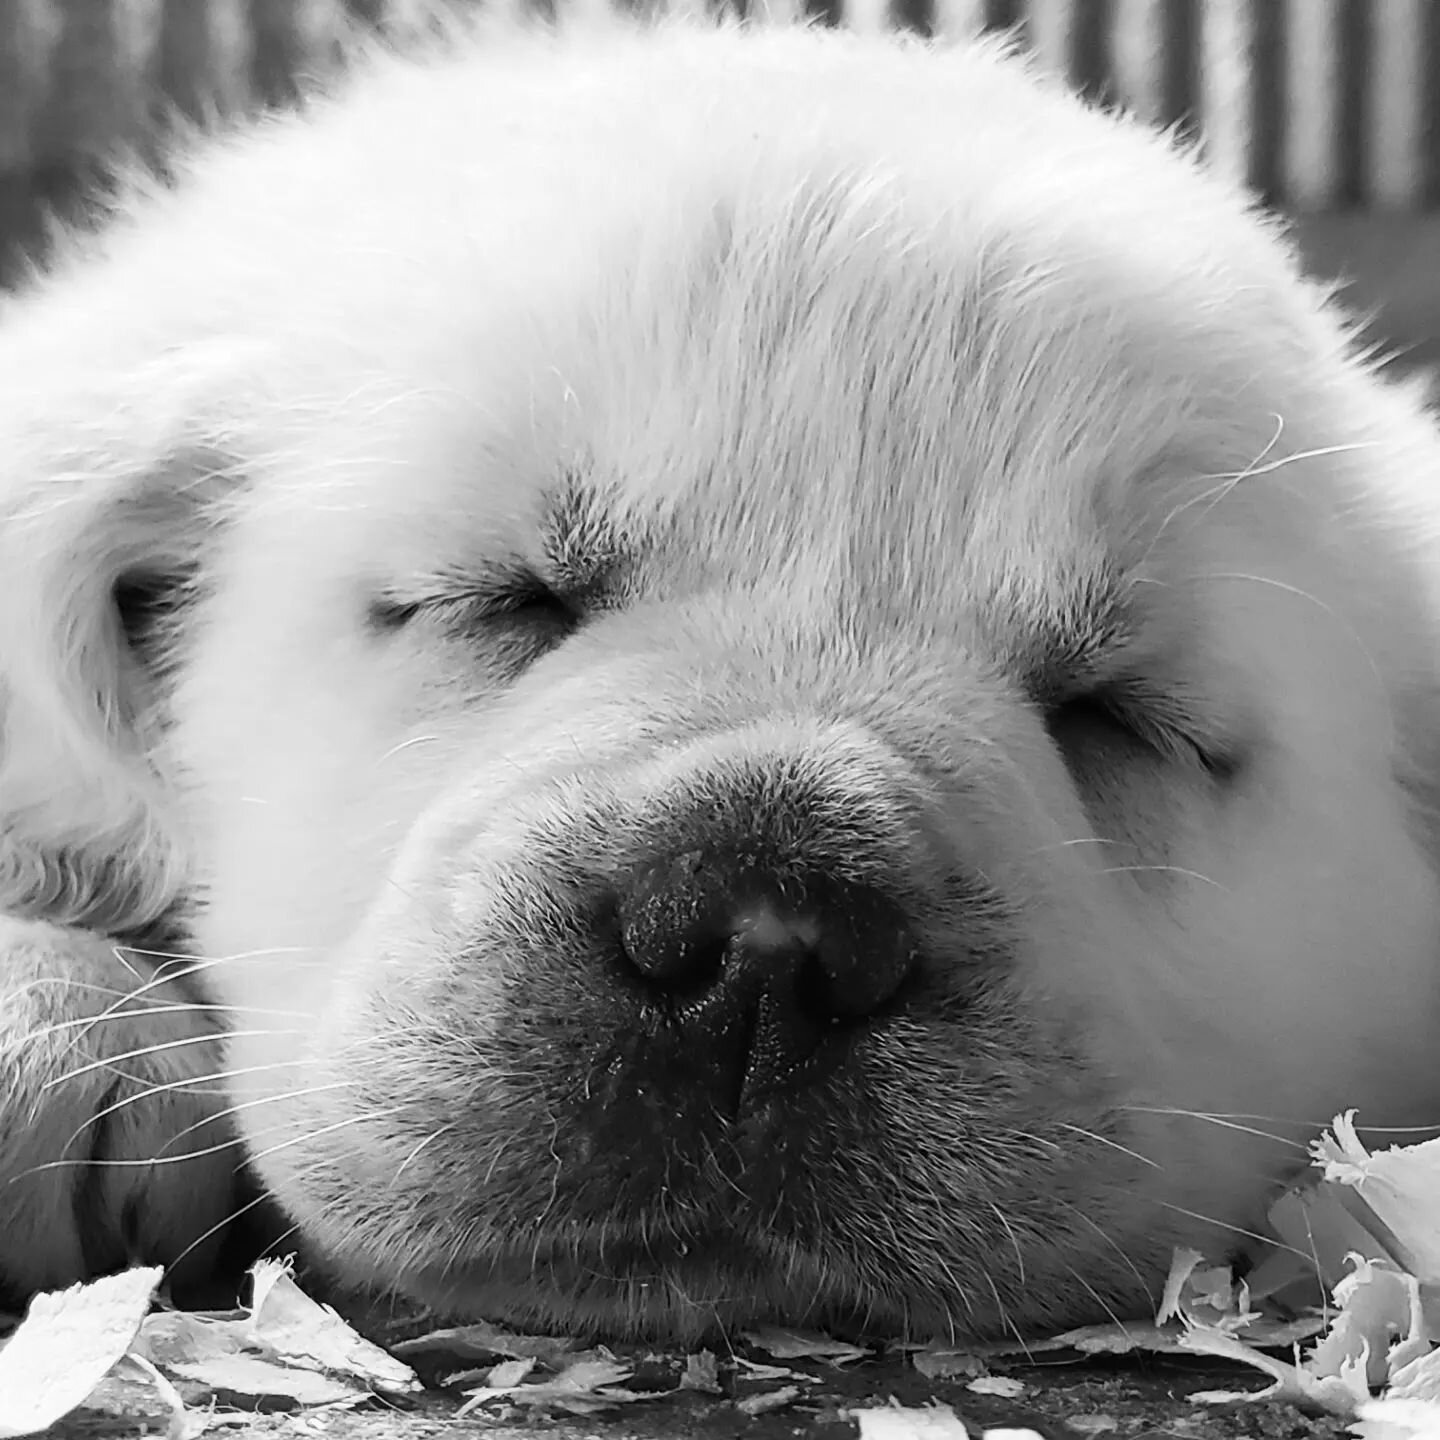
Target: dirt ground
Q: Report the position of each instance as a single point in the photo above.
(1132, 1399)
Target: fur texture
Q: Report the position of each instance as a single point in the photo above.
(566, 485)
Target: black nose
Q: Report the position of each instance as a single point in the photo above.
(767, 973)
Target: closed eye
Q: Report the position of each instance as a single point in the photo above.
(1113, 724)
(506, 604)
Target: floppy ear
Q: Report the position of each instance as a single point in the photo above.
(103, 513)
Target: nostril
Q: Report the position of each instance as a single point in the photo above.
(815, 993)
(865, 955)
(673, 926)
(840, 959)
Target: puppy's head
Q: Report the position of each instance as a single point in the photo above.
(781, 677)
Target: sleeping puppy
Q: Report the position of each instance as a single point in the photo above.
(759, 676)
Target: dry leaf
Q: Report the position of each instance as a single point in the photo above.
(67, 1343)
(1379, 1327)
(939, 1364)
(169, 1338)
(1417, 1380)
(184, 1424)
(754, 1370)
(1097, 1424)
(584, 1387)
(486, 1342)
(1182, 1265)
(1398, 1186)
(1112, 1339)
(301, 1331)
(769, 1400)
(264, 1377)
(802, 1345)
(285, 1347)
(508, 1374)
(1397, 1420)
(1339, 1394)
(221, 1355)
(899, 1422)
(1005, 1386)
(701, 1373)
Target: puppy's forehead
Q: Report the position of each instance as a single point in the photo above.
(818, 377)
(910, 342)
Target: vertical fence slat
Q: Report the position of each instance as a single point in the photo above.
(958, 19)
(1311, 160)
(778, 12)
(293, 40)
(868, 17)
(104, 74)
(1050, 25)
(1226, 85)
(1395, 124)
(205, 56)
(25, 78)
(1137, 56)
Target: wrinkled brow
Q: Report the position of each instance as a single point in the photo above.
(588, 547)
(1073, 639)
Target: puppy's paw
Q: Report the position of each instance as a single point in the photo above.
(114, 1148)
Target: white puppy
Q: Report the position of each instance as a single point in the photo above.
(773, 676)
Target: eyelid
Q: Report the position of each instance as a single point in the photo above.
(507, 596)
(1162, 733)
(1173, 732)
(480, 606)
(1154, 718)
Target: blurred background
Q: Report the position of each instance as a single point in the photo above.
(1329, 109)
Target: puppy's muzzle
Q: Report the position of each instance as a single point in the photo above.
(763, 966)
(685, 961)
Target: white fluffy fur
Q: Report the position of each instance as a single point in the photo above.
(905, 348)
